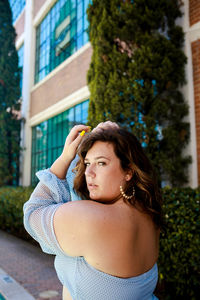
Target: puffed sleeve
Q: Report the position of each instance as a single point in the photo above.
(39, 210)
(70, 179)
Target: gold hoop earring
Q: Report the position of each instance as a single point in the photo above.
(126, 196)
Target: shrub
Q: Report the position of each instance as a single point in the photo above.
(11, 209)
(136, 70)
(179, 259)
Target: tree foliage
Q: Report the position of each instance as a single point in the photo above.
(135, 75)
(9, 99)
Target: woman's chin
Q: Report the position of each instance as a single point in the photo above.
(93, 196)
(96, 198)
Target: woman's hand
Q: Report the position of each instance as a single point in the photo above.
(61, 165)
(72, 142)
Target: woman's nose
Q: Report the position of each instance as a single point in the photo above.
(90, 171)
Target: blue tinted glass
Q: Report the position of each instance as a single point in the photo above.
(71, 118)
(59, 35)
(16, 8)
(86, 2)
(86, 23)
(20, 64)
(85, 111)
(79, 41)
(85, 37)
(78, 115)
(48, 137)
(80, 10)
(73, 3)
(79, 26)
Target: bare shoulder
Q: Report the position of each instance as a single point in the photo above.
(77, 223)
(84, 210)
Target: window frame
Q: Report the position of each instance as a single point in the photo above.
(48, 137)
(56, 30)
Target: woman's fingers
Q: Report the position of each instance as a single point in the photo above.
(73, 140)
(78, 139)
(76, 135)
(75, 132)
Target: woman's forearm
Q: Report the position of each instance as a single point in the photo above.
(60, 167)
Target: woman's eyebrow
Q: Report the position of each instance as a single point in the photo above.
(98, 157)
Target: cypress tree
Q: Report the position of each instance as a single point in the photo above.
(9, 99)
(135, 75)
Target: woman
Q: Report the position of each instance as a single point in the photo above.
(106, 246)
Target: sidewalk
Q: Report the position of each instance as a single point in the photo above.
(30, 267)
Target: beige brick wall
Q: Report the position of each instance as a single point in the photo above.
(68, 80)
(194, 11)
(37, 5)
(19, 25)
(196, 75)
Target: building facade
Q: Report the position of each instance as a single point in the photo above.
(54, 56)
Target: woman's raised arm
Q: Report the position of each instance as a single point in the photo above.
(61, 165)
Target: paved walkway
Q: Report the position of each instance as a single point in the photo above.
(30, 267)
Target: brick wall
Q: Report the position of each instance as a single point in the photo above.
(37, 5)
(194, 11)
(19, 25)
(68, 80)
(196, 75)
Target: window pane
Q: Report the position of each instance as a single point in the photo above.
(20, 64)
(48, 138)
(78, 115)
(16, 8)
(59, 35)
(80, 10)
(79, 26)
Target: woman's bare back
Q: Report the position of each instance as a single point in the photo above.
(128, 247)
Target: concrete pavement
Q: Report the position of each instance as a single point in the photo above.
(27, 267)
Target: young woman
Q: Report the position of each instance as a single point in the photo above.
(107, 245)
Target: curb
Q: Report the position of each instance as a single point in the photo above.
(11, 289)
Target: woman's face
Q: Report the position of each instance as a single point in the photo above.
(103, 172)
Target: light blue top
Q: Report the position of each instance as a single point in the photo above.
(83, 281)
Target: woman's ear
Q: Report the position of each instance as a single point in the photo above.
(129, 175)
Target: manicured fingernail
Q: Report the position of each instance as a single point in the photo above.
(82, 133)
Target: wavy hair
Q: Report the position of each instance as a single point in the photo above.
(131, 155)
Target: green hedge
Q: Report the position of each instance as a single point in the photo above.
(11, 210)
(179, 259)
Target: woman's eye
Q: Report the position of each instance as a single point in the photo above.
(86, 164)
(101, 163)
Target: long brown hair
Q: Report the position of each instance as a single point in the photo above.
(131, 155)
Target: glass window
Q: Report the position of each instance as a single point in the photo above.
(62, 32)
(20, 64)
(48, 137)
(16, 7)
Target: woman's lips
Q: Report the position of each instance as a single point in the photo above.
(92, 186)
